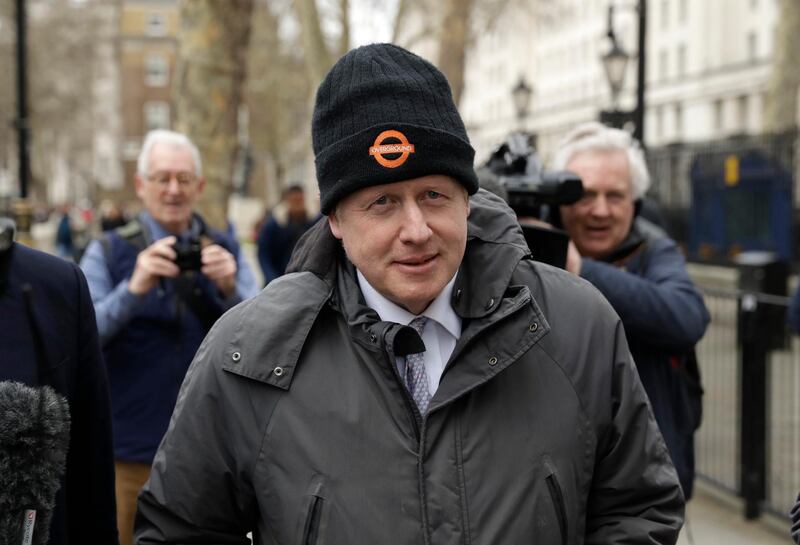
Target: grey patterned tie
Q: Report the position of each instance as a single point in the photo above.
(416, 377)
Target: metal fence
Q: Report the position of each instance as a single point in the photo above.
(719, 445)
(671, 173)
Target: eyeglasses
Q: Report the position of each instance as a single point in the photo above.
(184, 179)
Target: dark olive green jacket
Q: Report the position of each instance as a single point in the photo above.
(293, 423)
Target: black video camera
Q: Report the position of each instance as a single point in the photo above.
(530, 191)
(188, 255)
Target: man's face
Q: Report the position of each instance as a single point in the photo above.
(296, 203)
(170, 188)
(407, 238)
(601, 219)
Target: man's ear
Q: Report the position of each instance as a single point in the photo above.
(138, 184)
(333, 222)
(201, 185)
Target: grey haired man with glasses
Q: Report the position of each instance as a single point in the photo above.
(158, 284)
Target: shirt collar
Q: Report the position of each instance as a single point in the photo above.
(158, 232)
(439, 310)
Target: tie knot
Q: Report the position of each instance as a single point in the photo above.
(418, 324)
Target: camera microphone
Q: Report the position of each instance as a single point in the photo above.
(34, 439)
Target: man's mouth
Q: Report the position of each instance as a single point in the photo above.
(416, 262)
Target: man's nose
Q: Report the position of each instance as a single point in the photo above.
(174, 186)
(600, 206)
(415, 229)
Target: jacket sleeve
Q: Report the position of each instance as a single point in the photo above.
(90, 462)
(265, 240)
(793, 314)
(635, 495)
(200, 489)
(662, 305)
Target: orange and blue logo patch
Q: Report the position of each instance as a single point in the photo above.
(379, 148)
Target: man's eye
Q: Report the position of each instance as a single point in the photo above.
(381, 201)
(434, 194)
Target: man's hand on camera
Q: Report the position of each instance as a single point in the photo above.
(219, 266)
(574, 259)
(152, 263)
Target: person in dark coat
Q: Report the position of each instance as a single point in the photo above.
(60, 312)
(286, 224)
(642, 273)
(415, 377)
(795, 514)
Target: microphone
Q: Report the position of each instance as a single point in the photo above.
(34, 438)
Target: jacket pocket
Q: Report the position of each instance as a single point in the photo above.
(315, 508)
(557, 497)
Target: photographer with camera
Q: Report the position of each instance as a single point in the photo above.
(158, 283)
(642, 273)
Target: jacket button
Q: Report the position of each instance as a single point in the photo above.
(278, 371)
(373, 337)
(236, 356)
(533, 327)
(489, 304)
(492, 361)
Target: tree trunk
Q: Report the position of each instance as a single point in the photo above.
(781, 104)
(213, 42)
(318, 58)
(453, 43)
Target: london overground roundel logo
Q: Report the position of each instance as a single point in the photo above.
(379, 148)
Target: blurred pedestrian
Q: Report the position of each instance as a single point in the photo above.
(158, 284)
(65, 246)
(417, 379)
(48, 337)
(111, 216)
(795, 514)
(642, 273)
(287, 222)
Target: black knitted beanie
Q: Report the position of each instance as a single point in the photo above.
(385, 115)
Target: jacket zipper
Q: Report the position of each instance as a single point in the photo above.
(558, 503)
(311, 527)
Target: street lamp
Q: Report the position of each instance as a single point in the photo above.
(615, 62)
(521, 94)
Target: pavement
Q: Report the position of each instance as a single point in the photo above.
(716, 518)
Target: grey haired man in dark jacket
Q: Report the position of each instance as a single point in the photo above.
(416, 377)
(642, 273)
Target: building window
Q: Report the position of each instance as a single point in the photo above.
(719, 118)
(678, 121)
(682, 60)
(743, 107)
(659, 122)
(156, 71)
(156, 115)
(664, 14)
(752, 46)
(683, 11)
(663, 64)
(156, 25)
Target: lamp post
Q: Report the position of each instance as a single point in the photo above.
(22, 208)
(521, 94)
(615, 62)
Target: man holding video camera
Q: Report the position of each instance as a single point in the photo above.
(158, 284)
(642, 273)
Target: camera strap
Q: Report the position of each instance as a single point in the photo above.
(191, 294)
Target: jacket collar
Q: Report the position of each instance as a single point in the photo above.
(495, 245)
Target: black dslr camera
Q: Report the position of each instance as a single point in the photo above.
(531, 191)
(188, 255)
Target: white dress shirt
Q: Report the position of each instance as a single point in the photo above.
(440, 334)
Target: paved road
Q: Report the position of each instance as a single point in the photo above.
(714, 519)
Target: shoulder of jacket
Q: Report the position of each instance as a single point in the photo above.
(271, 327)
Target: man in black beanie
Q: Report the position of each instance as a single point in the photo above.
(416, 378)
